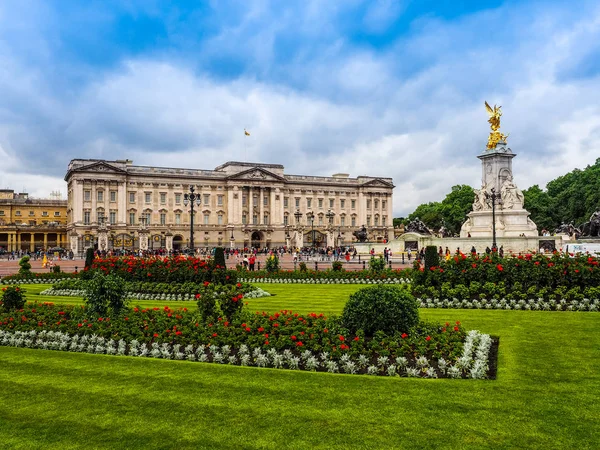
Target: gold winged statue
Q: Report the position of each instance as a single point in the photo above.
(495, 136)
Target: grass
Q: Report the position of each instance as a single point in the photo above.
(546, 395)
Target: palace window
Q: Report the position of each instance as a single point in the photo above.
(368, 221)
(376, 223)
(383, 203)
(255, 219)
(353, 204)
(342, 203)
(56, 213)
(86, 217)
(320, 203)
(178, 199)
(44, 213)
(87, 195)
(309, 203)
(206, 199)
(220, 219)
(343, 221)
(31, 213)
(17, 213)
(163, 219)
(100, 196)
(244, 219)
(177, 219)
(353, 221)
(255, 200)
(113, 196)
(368, 204)
(331, 202)
(148, 196)
(131, 218)
(1, 213)
(219, 200)
(376, 203)
(163, 198)
(244, 200)
(206, 219)
(383, 221)
(132, 197)
(285, 220)
(112, 217)
(320, 220)
(285, 202)
(266, 219)
(266, 201)
(297, 202)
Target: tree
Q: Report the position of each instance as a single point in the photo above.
(539, 204)
(429, 213)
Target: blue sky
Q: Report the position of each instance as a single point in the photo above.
(388, 88)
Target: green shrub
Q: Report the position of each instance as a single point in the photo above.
(56, 269)
(272, 264)
(12, 298)
(432, 259)
(104, 292)
(25, 266)
(302, 266)
(337, 266)
(89, 258)
(377, 264)
(389, 309)
(220, 258)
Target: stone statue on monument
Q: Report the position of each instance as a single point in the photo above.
(512, 196)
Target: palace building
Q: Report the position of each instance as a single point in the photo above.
(116, 204)
(31, 224)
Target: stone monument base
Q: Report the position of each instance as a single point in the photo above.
(509, 223)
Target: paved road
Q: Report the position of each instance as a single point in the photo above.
(12, 266)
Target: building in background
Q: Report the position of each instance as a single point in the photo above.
(241, 204)
(32, 224)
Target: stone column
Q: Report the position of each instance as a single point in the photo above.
(231, 205)
(93, 214)
(273, 209)
(18, 241)
(121, 203)
(45, 241)
(31, 242)
(261, 205)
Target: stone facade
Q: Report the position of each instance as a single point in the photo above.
(31, 224)
(241, 204)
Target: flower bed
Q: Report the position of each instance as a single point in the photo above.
(281, 340)
(255, 292)
(179, 269)
(38, 278)
(537, 304)
(327, 276)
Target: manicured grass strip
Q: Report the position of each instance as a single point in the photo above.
(545, 396)
(302, 298)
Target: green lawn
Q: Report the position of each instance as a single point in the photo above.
(546, 395)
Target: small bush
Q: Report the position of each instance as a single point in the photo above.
(272, 263)
(104, 292)
(389, 309)
(302, 266)
(432, 258)
(56, 269)
(89, 258)
(220, 258)
(377, 264)
(12, 298)
(337, 266)
(25, 265)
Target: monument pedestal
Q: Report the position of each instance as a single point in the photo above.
(509, 223)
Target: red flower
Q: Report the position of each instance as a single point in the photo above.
(248, 329)
(299, 344)
(455, 328)
(404, 335)
(342, 338)
(155, 335)
(61, 313)
(499, 267)
(474, 266)
(214, 335)
(325, 330)
(428, 338)
(178, 333)
(356, 339)
(266, 342)
(197, 295)
(80, 325)
(294, 338)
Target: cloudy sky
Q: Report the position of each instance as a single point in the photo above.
(386, 88)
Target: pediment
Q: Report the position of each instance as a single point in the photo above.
(378, 182)
(256, 174)
(99, 166)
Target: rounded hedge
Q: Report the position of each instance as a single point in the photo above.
(381, 308)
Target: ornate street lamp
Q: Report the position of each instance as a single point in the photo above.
(310, 216)
(191, 198)
(298, 216)
(493, 197)
(330, 215)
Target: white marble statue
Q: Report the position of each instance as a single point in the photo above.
(512, 196)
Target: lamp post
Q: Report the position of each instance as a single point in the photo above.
(191, 198)
(493, 197)
(310, 216)
(330, 215)
(298, 216)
